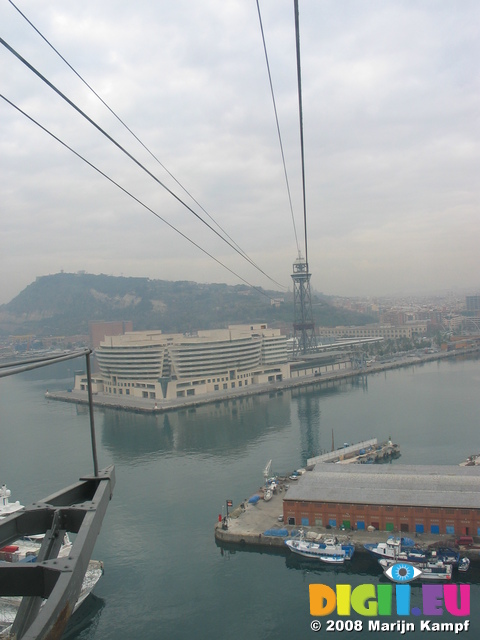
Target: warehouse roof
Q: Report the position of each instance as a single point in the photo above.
(408, 485)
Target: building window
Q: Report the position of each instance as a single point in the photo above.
(216, 387)
(190, 392)
(225, 385)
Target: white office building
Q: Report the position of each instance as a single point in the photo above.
(150, 364)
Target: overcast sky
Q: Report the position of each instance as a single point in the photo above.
(391, 98)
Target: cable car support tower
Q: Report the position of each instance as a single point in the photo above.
(304, 338)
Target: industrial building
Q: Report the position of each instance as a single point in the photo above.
(400, 498)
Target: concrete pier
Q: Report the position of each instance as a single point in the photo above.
(144, 405)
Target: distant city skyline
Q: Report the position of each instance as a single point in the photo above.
(392, 150)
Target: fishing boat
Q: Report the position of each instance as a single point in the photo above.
(329, 551)
(405, 550)
(395, 549)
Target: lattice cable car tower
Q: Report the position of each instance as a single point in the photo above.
(304, 338)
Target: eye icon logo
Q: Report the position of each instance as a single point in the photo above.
(402, 572)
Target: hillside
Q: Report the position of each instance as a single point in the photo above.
(65, 303)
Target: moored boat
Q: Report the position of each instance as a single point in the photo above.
(329, 551)
(7, 507)
(9, 605)
(464, 564)
(405, 550)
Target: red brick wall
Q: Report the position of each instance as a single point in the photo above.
(384, 517)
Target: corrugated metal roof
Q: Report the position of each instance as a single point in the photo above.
(407, 485)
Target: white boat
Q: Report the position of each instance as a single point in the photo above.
(266, 471)
(395, 549)
(464, 564)
(267, 495)
(405, 550)
(9, 605)
(7, 507)
(28, 546)
(330, 551)
(26, 550)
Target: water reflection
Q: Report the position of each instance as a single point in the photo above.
(219, 428)
(85, 620)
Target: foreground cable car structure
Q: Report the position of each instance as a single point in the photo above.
(51, 586)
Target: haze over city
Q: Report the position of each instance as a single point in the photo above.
(390, 98)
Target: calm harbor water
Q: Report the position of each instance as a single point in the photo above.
(164, 575)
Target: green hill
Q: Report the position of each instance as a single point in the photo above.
(65, 303)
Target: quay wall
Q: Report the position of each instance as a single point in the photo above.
(258, 541)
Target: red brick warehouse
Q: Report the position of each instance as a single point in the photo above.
(403, 498)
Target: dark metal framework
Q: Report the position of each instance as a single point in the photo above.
(51, 585)
(305, 340)
(77, 509)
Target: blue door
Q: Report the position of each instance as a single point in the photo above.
(419, 528)
(434, 528)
